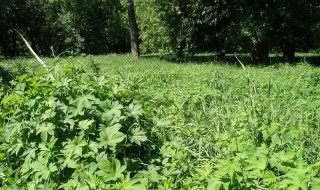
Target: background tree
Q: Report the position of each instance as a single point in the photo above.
(176, 27)
(134, 35)
(295, 23)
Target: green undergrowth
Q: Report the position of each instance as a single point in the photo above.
(151, 124)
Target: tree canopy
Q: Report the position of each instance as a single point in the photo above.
(178, 27)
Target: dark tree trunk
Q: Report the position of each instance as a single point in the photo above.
(8, 47)
(4, 47)
(13, 52)
(221, 54)
(288, 50)
(181, 44)
(260, 51)
(5, 52)
(133, 29)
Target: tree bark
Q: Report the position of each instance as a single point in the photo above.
(134, 35)
(13, 52)
(4, 47)
(288, 50)
(260, 51)
(221, 52)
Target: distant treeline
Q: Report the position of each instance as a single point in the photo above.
(178, 27)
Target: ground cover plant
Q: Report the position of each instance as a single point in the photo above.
(152, 124)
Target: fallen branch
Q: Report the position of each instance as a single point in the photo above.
(34, 53)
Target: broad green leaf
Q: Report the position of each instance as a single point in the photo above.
(52, 168)
(275, 162)
(228, 167)
(49, 113)
(31, 185)
(112, 109)
(285, 156)
(269, 177)
(134, 110)
(29, 154)
(316, 166)
(205, 170)
(74, 146)
(100, 81)
(84, 125)
(84, 101)
(111, 136)
(132, 183)
(137, 136)
(315, 184)
(297, 178)
(41, 169)
(16, 147)
(275, 139)
(69, 162)
(69, 120)
(161, 122)
(214, 185)
(110, 170)
(257, 161)
(45, 129)
(94, 146)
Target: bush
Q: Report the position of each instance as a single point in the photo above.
(77, 131)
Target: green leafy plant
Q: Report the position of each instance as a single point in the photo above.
(155, 125)
(72, 133)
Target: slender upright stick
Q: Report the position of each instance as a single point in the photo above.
(34, 53)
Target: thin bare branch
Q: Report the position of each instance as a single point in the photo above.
(34, 53)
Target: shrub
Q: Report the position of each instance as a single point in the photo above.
(78, 131)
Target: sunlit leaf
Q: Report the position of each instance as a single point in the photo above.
(111, 136)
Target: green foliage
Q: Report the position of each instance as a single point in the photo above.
(176, 27)
(53, 27)
(156, 125)
(72, 133)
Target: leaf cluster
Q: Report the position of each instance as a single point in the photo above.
(78, 131)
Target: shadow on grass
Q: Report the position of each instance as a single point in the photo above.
(6, 76)
(313, 59)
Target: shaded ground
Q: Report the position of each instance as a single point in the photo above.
(310, 58)
(5, 75)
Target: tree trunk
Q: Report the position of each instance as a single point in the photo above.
(5, 52)
(13, 52)
(181, 44)
(4, 47)
(133, 29)
(260, 51)
(288, 50)
(221, 53)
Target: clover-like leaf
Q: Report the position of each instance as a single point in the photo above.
(110, 170)
(74, 146)
(111, 136)
(45, 129)
(84, 125)
(135, 110)
(137, 136)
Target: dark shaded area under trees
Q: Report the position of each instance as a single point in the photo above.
(94, 27)
(177, 27)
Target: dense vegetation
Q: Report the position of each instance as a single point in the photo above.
(150, 124)
(178, 27)
(114, 122)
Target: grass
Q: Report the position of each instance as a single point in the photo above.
(216, 110)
